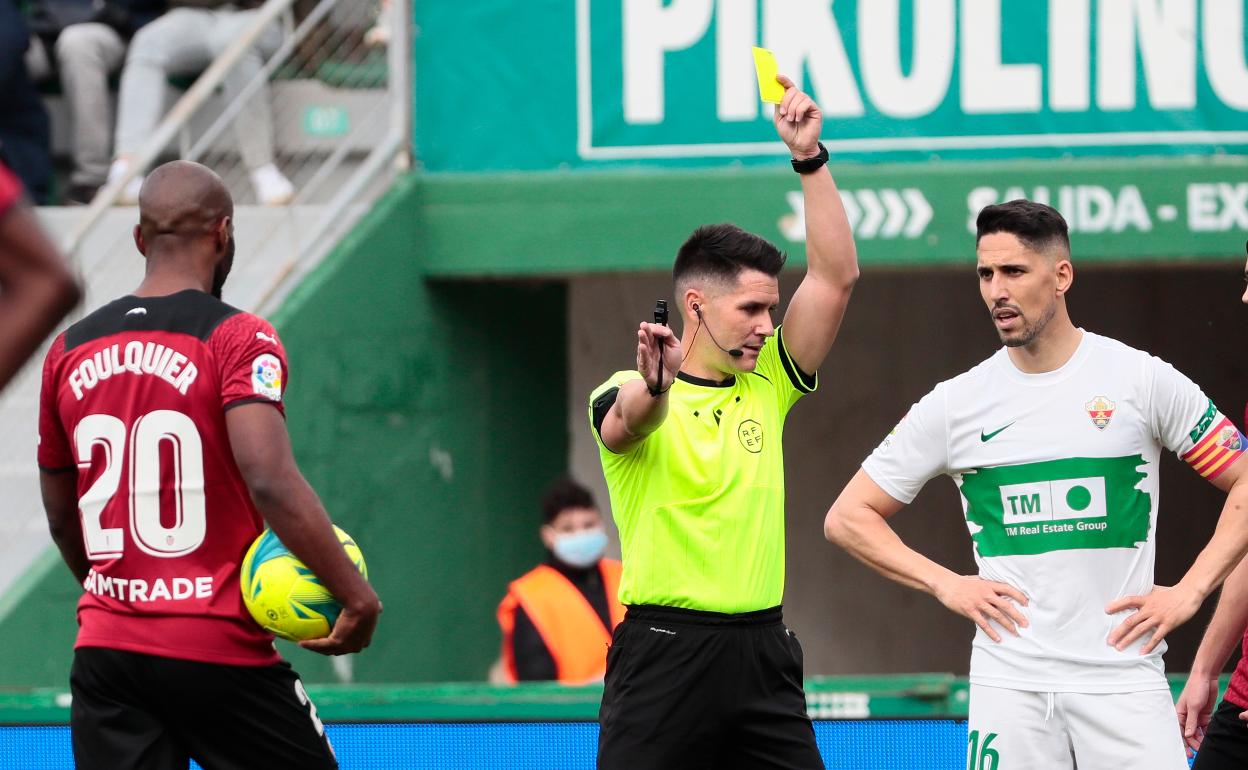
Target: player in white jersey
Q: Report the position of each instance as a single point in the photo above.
(1054, 444)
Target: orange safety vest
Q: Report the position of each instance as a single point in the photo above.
(566, 621)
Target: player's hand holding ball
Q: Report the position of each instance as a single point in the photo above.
(290, 602)
(798, 121)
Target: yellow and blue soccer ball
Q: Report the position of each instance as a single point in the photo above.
(283, 595)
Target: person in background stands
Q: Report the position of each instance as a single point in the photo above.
(25, 137)
(185, 41)
(82, 43)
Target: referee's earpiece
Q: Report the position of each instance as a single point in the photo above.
(734, 352)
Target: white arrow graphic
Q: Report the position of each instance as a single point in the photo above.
(873, 211)
(897, 212)
(793, 226)
(920, 212)
(852, 212)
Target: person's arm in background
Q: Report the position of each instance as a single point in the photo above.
(1226, 629)
(814, 315)
(37, 288)
(293, 511)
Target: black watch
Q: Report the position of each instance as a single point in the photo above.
(810, 165)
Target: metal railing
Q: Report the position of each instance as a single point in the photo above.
(339, 105)
(336, 177)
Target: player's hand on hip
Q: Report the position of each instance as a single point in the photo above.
(988, 603)
(1194, 709)
(1160, 611)
(657, 342)
(351, 633)
(798, 120)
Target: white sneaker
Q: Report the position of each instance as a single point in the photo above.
(130, 193)
(271, 186)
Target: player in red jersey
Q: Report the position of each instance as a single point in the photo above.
(1221, 736)
(163, 450)
(36, 287)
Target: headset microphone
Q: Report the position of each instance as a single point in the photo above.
(734, 352)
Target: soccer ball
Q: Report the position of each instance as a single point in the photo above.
(283, 595)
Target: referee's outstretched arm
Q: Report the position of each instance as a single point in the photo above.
(814, 314)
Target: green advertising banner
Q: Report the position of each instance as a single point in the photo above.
(583, 83)
(1158, 210)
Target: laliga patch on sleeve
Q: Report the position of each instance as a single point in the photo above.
(266, 376)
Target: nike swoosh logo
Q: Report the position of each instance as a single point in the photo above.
(989, 436)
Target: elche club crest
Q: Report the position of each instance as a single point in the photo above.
(1101, 410)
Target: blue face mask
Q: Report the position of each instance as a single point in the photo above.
(581, 549)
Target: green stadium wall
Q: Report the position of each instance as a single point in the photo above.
(428, 415)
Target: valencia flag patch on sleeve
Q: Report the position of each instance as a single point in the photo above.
(1215, 452)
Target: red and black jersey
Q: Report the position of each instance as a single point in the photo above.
(10, 189)
(134, 397)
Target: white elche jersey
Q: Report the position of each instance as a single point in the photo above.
(1058, 478)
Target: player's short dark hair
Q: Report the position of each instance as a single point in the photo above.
(721, 252)
(562, 494)
(1037, 226)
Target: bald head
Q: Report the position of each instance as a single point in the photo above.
(182, 200)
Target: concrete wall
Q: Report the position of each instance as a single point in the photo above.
(904, 332)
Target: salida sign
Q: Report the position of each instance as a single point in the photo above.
(675, 79)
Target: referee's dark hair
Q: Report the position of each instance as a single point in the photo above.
(562, 494)
(1037, 226)
(721, 252)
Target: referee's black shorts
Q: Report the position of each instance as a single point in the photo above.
(1225, 746)
(688, 689)
(144, 712)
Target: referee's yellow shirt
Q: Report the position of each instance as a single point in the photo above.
(700, 503)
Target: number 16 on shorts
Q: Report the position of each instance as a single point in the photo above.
(981, 757)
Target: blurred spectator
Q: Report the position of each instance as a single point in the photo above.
(37, 288)
(557, 618)
(24, 129)
(83, 43)
(185, 41)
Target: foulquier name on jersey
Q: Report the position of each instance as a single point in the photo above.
(137, 358)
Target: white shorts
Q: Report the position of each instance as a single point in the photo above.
(1022, 730)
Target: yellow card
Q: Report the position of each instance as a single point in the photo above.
(766, 68)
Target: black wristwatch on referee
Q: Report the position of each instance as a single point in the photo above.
(811, 165)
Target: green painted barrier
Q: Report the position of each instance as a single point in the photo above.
(902, 696)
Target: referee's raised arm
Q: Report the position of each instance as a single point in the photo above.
(640, 405)
(815, 312)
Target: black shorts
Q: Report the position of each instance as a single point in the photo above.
(688, 689)
(1225, 746)
(144, 712)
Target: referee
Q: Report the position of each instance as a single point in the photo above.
(702, 672)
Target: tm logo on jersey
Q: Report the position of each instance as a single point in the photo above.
(1058, 505)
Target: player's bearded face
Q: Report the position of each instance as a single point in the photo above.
(1028, 328)
(1019, 286)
